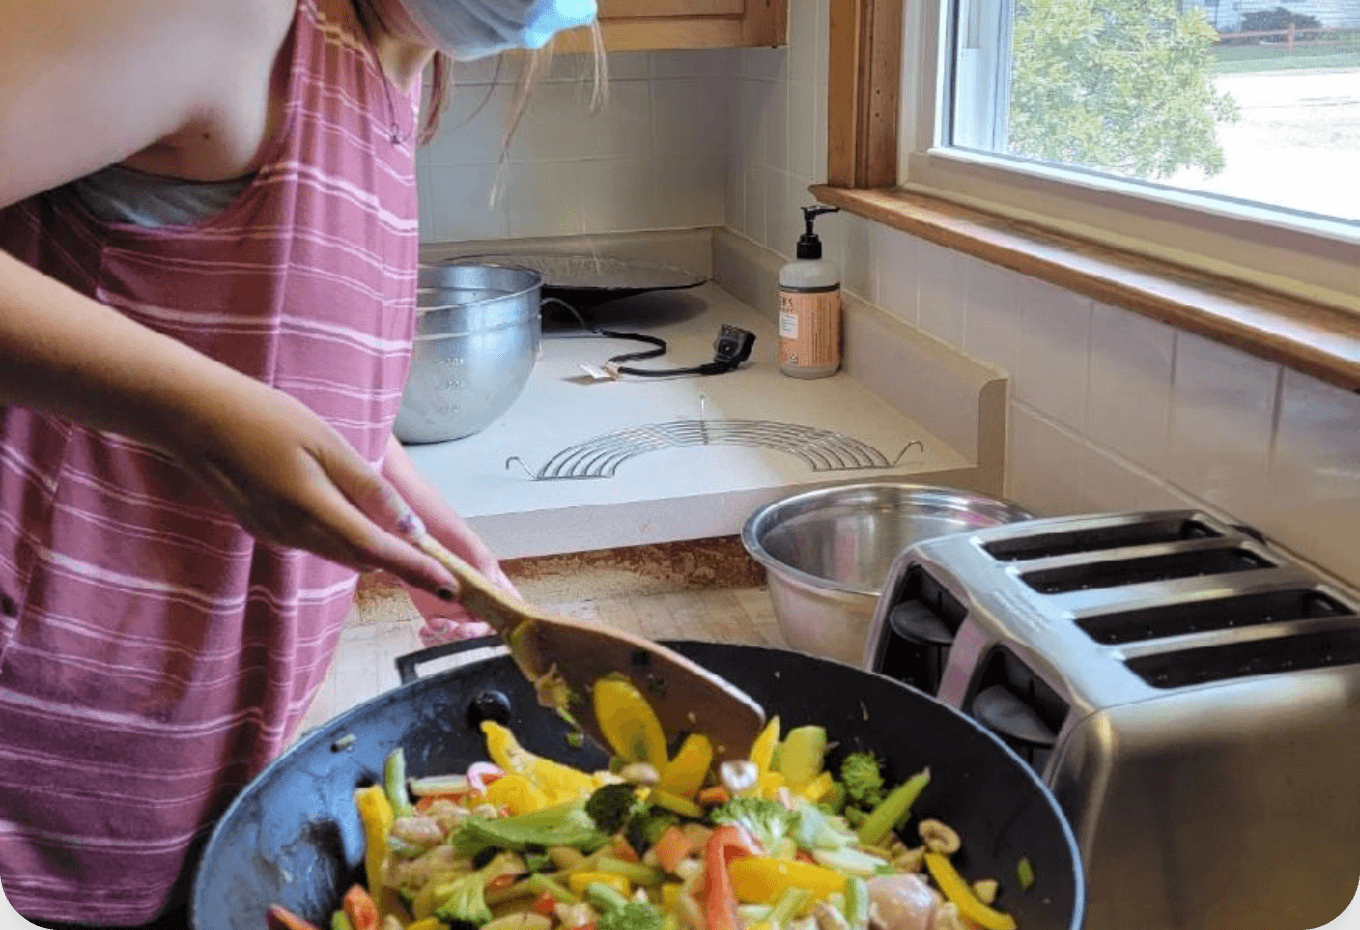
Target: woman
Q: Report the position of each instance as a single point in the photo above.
(207, 274)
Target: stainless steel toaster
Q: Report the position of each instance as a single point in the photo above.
(1190, 694)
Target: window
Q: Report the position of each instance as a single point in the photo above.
(1262, 106)
(1164, 128)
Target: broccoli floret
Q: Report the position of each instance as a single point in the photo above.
(560, 825)
(613, 806)
(465, 897)
(863, 779)
(768, 821)
(646, 827)
(634, 915)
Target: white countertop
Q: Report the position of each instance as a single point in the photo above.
(667, 493)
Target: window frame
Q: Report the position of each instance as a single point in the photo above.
(1185, 259)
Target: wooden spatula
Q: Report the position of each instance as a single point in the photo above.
(565, 657)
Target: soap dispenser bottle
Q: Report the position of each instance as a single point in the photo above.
(810, 308)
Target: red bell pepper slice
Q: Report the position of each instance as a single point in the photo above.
(727, 842)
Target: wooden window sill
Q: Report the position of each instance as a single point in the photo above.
(1317, 339)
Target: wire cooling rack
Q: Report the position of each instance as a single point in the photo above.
(821, 449)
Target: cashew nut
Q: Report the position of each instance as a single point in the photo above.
(947, 917)
(939, 837)
(909, 860)
(828, 918)
(739, 775)
(640, 773)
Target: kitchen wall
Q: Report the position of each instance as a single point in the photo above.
(1109, 410)
(651, 158)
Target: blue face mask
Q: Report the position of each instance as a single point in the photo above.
(471, 29)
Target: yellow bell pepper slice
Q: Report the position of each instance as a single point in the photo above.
(578, 881)
(762, 879)
(801, 755)
(428, 923)
(375, 814)
(957, 891)
(628, 722)
(819, 787)
(561, 783)
(768, 785)
(685, 774)
(670, 893)
(762, 750)
(516, 793)
(675, 803)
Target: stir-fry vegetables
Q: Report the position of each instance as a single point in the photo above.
(659, 843)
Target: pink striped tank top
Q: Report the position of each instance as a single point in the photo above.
(154, 656)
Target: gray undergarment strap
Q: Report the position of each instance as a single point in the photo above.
(121, 195)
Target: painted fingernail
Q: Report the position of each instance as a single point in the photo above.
(447, 594)
(410, 525)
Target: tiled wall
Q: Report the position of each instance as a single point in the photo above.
(1109, 409)
(652, 158)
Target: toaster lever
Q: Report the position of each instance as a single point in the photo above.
(917, 623)
(1000, 711)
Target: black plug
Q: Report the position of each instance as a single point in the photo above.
(733, 346)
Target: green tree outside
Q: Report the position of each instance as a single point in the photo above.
(1119, 85)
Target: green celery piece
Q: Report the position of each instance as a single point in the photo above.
(541, 883)
(635, 872)
(895, 806)
(394, 783)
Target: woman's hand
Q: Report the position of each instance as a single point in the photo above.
(444, 622)
(292, 480)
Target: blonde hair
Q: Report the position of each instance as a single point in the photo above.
(535, 64)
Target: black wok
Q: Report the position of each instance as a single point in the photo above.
(293, 838)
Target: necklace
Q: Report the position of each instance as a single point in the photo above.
(395, 133)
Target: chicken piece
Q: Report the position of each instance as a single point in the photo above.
(902, 902)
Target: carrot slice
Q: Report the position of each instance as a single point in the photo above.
(671, 848)
(280, 918)
(360, 909)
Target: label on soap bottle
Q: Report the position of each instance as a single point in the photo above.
(809, 328)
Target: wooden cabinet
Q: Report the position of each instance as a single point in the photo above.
(642, 25)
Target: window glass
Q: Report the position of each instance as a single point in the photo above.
(1246, 100)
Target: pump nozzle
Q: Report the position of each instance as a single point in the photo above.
(809, 245)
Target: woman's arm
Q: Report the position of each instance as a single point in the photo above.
(183, 85)
(286, 475)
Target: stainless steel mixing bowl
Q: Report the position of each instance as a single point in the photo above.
(827, 553)
(477, 337)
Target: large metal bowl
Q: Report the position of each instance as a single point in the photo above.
(827, 553)
(477, 337)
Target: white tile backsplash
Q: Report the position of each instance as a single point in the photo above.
(940, 295)
(1222, 416)
(1044, 464)
(992, 321)
(1051, 367)
(1130, 395)
(1314, 473)
(897, 272)
(1109, 410)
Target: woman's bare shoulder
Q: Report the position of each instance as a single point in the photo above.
(127, 74)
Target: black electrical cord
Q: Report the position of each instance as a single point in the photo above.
(715, 367)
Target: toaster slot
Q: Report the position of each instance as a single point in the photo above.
(920, 630)
(1018, 706)
(1204, 616)
(1121, 572)
(1142, 533)
(1324, 649)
